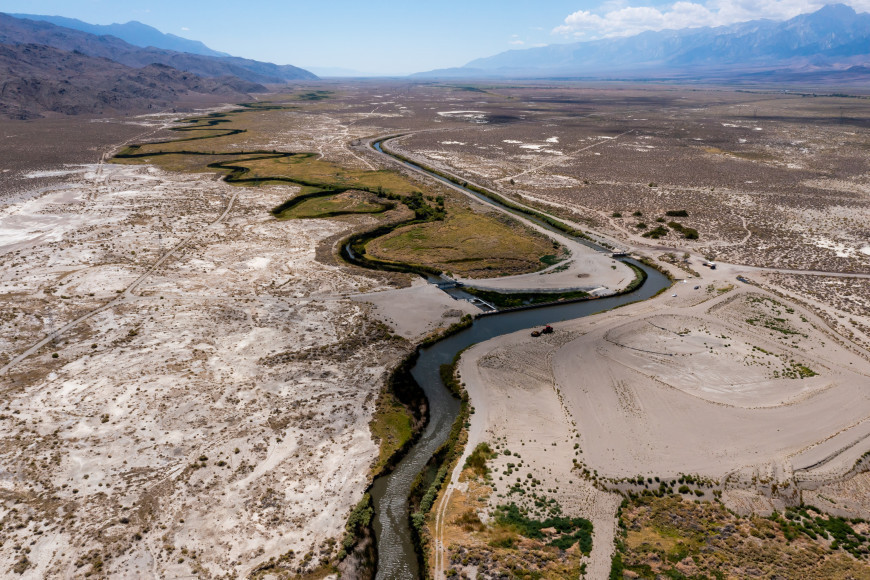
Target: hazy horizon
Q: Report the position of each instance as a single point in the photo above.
(398, 39)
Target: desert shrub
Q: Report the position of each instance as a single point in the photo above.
(656, 233)
(688, 233)
(358, 520)
(21, 565)
(616, 567)
(677, 213)
(470, 521)
(572, 530)
(550, 259)
(503, 538)
(477, 459)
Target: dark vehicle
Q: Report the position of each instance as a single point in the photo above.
(546, 330)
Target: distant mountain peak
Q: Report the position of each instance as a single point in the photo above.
(837, 10)
(15, 31)
(834, 37)
(134, 32)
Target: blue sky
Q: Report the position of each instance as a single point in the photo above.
(391, 37)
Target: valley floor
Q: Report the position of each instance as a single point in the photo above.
(189, 383)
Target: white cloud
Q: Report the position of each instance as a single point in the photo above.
(185, 28)
(517, 42)
(617, 19)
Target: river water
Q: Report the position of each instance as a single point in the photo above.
(397, 559)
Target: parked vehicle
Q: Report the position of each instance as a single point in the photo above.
(546, 330)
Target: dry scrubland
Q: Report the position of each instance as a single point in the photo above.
(215, 413)
(203, 401)
(843, 302)
(41, 154)
(767, 178)
(213, 417)
(724, 394)
(677, 537)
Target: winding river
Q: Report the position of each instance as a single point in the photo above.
(397, 559)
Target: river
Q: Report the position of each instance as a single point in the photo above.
(397, 559)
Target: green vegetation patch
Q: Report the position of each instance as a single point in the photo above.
(357, 522)
(688, 233)
(314, 95)
(552, 259)
(309, 169)
(656, 233)
(814, 524)
(476, 461)
(512, 300)
(561, 532)
(515, 207)
(331, 205)
(671, 537)
(392, 426)
(466, 243)
(217, 142)
(794, 370)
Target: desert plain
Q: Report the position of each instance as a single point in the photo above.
(196, 384)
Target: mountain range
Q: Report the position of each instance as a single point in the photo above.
(833, 38)
(135, 33)
(38, 78)
(25, 31)
(46, 68)
(51, 64)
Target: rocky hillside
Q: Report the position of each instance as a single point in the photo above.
(36, 79)
(23, 31)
